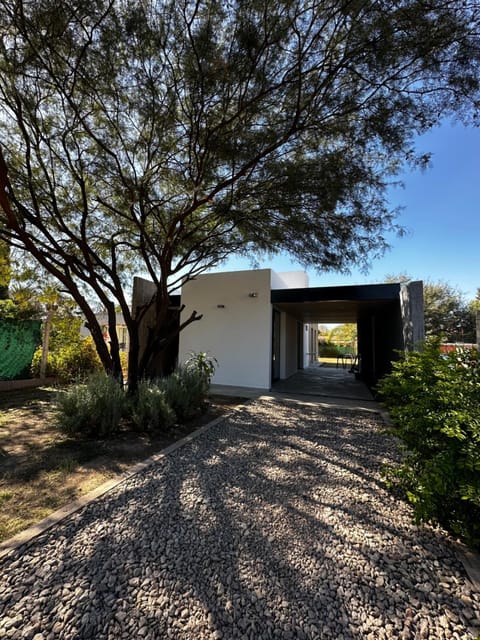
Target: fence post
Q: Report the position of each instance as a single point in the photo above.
(46, 336)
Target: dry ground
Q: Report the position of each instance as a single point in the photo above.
(42, 469)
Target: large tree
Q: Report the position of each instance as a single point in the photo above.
(160, 136)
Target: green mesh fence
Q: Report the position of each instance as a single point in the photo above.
(18, 341)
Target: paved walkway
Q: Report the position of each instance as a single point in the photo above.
(274, 523)
(326, 382)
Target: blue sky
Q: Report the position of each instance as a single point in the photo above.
(441, 211)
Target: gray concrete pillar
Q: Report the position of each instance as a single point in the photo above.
(411, 306)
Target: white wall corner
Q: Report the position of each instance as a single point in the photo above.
(289, 280)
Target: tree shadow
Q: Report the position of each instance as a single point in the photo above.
(270, 525)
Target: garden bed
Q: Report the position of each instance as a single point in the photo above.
(42, 469)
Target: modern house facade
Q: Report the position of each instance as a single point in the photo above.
(262, 326)
(253, 342)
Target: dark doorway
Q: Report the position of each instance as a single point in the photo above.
(299, 345)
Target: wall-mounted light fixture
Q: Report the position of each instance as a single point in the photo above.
(253, 294)
(220, 306)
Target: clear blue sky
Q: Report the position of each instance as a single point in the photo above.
(441, 211)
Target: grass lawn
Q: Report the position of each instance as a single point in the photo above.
(42, 469)
(327, 360)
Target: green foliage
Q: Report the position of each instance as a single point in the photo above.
(328, 350)
(161, 137)
(5, 270)
(8, 310)
(203, 366)
(93, 409)
(344, 334)
(69, 362)
(187, 387)
(150, 410)
(18, 307)
(447, 313)
(65, 330)
(434, 405)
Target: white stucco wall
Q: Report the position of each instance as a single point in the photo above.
(239, 333)
(289, 280)
(310, 344)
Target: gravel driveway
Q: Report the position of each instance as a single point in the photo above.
(274, 523)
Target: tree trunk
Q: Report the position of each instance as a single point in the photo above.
(117, 371)
(160, 353)
(133, 357)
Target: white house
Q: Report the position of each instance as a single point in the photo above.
(252, 343)
(261, 326)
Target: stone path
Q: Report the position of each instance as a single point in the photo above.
(273, 524)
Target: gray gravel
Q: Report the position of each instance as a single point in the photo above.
(274, 524)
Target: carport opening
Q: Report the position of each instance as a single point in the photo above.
(375, 311)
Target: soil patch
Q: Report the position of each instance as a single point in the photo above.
(41, 469)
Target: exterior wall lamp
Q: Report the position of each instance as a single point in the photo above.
(253, 294)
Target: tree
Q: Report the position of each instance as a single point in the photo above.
(344, 334)
(160, 136)
(5, 270)
(446, 312)
(22, 287)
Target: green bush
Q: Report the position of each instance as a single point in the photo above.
(185, 393)
(187, 387)
(93, 409)
(69, 362)
(434, 404)
(150, 410)
(328, 350)
(96, 408)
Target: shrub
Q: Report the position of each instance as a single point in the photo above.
(187, 387)
(95, 408)
(183, 392)
(434, 404)
(69, 362)
(92, 409)
(327, 350)
(202, 365)
(150, 410)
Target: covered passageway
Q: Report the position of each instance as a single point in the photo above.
(389, 318)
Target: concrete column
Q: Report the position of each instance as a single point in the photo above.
(143, 292)
(411, 306)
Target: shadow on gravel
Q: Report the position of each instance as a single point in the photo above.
(275, 524)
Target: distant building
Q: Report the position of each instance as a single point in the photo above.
(122, 332)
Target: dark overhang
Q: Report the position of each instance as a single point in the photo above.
(334, 304)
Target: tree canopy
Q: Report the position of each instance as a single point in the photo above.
(449, 314)
(160, 136)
